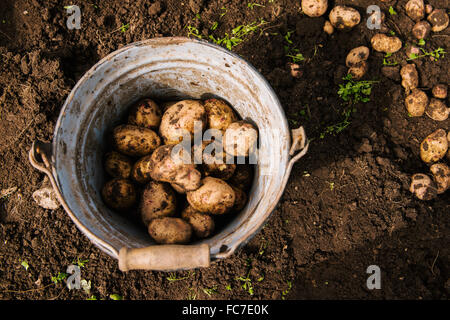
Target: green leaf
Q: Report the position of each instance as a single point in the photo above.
(115, 296)
(392, 11)
(25, 265)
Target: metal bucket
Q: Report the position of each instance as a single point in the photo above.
(167, 69)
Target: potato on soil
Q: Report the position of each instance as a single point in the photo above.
(356, 55)
(439, 20)
(215, 196)
(437, 110)
(117, 165)
(421, 30)
(410, 77)
(359, 70)
(434, 147)
(119, 194)
(201, 223)
(170, 230)
(175, 167)
(441, 174)
(344, 18)
(328, 28)
(242, 177)
(383, 43)
(314, 8)
(240, 139)
(440, 91)
(423, 187)
(135, 141)
(180, 119)
(415, 9)
(416, 103)
(141, 172)
(219, 114)
(240, 200)
(214, 160)
(158, 200)
(145, 113)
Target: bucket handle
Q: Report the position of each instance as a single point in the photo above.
(299, 142)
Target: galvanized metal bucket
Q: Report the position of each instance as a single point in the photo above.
(167, 69)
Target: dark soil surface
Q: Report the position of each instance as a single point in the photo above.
(346, 206)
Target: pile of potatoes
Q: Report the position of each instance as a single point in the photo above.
(155, 179)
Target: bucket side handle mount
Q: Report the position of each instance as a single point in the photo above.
(299, 143)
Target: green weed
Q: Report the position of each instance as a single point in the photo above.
(436, 54)
(292, 51)
(353, 91)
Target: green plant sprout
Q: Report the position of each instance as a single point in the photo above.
(238, 34)
(25, 264)
(224, 11)
(80, 263)
(92, 298)
(173, 277)
(436, 54)
(214, 26)
(292, 51)
(228, 287)
(247, 286)
(386, 62)
(338, 127)
(355, 91)
(421, 42)
(124, 27)
(193, 31)
(285, 292)
(392, 12)
(59, 277)
(115, 296)
(210, 291)
(251, 5)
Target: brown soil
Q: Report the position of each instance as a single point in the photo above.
(346, 206)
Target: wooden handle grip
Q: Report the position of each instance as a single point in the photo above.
(164, 257)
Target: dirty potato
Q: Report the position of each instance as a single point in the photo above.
(182, 119)
(135, 141)
(416, 103)
(201, 223)
(170, 230)
(145, 113)
(421, 30)
(344, 18)
(423, 187)
(441, 175)
(214, 160)
(119, 194)
(240, 199)
(439, 20)
(242, 177)
(410, 77)
(434, 147)
(359, 70)
(328, 28)
(314, 8)
(141, 172)
(158, 200)
(356, 55)
(240, 139)
(219, 114)
(117, 165)
(174, 166)
(415, 9)
(440, 91)
(437, 110)
(214, 196)
(383, 43)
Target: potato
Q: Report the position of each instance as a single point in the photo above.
(437, 110)
(180, 119)
(356, 55)
(214, 160)
(344, 18)
(240, 139)
(415, 9)
(117, 165)
(171, 166)
(166, 105)
(423, 187)
(141, 170)
(328, 28)
(158, 200)
(135, 141)
(441, 174)
(410, 77)
(169, 230)
(242, 177)
(145, 113)
(439, 20)
(240, 200)
(383, 43)
(421, 30)
(434, 147)
(412, 50)
(219, 115)
(440, 91)
(314, 8)
(202, 224)
(359, 70)
(416, 103)
(119, 194)
(428, 8)
(215, 196)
